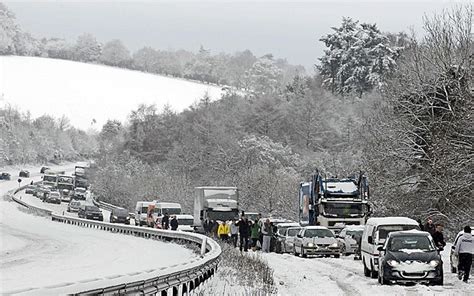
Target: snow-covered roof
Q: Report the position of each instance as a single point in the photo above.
(391, 221)
(354, 227)
(340, 187)
(409, 232)
(168, 205)
(288, 224)
(184, 216)
(316, 227)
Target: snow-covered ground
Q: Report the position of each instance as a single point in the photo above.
(36, 252)
(59, 87)
(344, 276)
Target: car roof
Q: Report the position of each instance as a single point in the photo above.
(391, 221)
(316, 227)
(168, 204)
(413, 232)
(184, 216)
(288, 224)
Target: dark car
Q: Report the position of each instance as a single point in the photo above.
(24, 174)
(30, 189)
(43, 170)
(90, 212)
(119, 216)
(410, 257)
(5, 176)
(79, 193)
(53, 197)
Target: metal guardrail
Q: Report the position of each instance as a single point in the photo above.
(170, 281)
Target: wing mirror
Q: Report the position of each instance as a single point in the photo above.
(298, 235)
(370, 240)
(380, 248)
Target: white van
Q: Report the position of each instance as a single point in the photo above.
(185, 222)
(141, 210)
(375, 232)
(172, 208)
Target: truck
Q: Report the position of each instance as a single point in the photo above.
(334, 202)
(215, 203)
(66, 187)
(50, 179)
(81, 176)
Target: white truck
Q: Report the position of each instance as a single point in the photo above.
(215, 203)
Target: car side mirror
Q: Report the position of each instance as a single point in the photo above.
(370, 240)
(298, 235)
(453, 247)
(380, 248)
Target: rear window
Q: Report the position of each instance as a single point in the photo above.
(92, 209)
(293, 232)
(318, 233)
(384, 230)
(120, 212)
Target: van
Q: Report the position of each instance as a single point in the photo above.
(141, 210)
(375, 232)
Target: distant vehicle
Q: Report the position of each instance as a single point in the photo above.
(30, 189)
(73, 206)
(453, 258)
(50, 179)
(5, 176)
(347, 240)
(141, 210)
(290, 234)
(42, 192)
(24, 174)
(119, 216)
(43, 170)
(79, 193)
(161, 208)
(81, 174)
(66, 187)
(279, 236)
(375, 232)
(316, 240)
(215, 203)
(53, 197)
(185, 222)
(408, 257)
(90, 212)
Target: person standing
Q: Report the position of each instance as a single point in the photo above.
(267, 235)
(438, 237)
(255, 234)
(223, 231)
(165, 222)
(174, 223)
(244, 229)
(464, 248)
(234, 232)
(429, 227)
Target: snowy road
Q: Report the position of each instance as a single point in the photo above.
(36, 252)
(344, 276)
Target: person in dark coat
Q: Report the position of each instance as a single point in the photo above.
(438, 237)
(429, 227)
(244, 230)
(165, 222)
(174, 223)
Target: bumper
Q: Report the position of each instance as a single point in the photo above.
(321, 251)
(99, 218)
(428, 276)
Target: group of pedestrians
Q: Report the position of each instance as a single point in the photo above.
(463, 246)
(244, 232)
(166, 222)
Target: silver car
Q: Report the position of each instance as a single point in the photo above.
(347, 239)
(316, 240)
(288, 243)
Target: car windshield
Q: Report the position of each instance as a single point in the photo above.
(223, 215)
(354, 232)
(121, 212)
(412, 242)
(54, 194)
(293, 231)
(318, 233)
(185, 221)
(92, 209)
(80, 190)
(384, 230)
(50, 178)
(344, 209)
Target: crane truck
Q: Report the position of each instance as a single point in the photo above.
(334, 202)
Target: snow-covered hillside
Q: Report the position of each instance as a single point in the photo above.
(85, 92)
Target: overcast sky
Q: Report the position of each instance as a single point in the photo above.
(287, 29)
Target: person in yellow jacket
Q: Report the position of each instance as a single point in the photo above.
(223, 231)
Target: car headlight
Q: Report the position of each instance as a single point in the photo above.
(334, 245)
(393, 263)
(434, 263)
(310, 245)
(115, 217)
(128, 218)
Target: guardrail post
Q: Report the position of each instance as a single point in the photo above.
(203, 246)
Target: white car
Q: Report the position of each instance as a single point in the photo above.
(316, 240)
(185, 222)
(289, 241)
(347, 241)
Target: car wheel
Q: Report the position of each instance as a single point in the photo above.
(303, 253)
(294, 252)
(366, 270)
